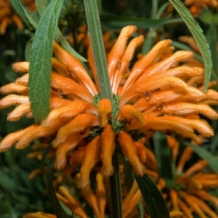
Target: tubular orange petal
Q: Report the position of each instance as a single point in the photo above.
(23, 80)
(212, 95)
(206, 196)
(59, 67)
(91, 199)
(90, 159)
(104, 111)
(190, 41)
(141, 151)
(145, 62)
(132, 204)
(174, 199)
(205, 208)
(18, 21)
(3, 25)
(129, 150)
(19, 112)
(68, 86)
(100, 194)
(167, 123)
(92, 65)
(79, 124)
(77, 157)
(69, 144)
(31, 134)
(67, 112)
(185, 209)
(183, 108)
(117, 51)
(192, 203)
(21, 67)
(107, 150)
(129, 112)
(176, 214)
(39, 215)
(145, 86)
(167, 63)
(56, 102)
(10, 139)
(13, 99)
(74, 204)
(124, 63)
(180, 71)
(75, 67)
(13, 88)
(198, 166)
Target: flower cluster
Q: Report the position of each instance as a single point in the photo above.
(8, 14)
(151, 96)
(196, 7)
(190, 191)
(162, 91)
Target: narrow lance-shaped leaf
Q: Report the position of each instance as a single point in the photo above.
(58, 210)
(155, 202)
(23, 13)
(115, 21)
(96, 39)
(199, 37)
(211, 36)
(206, 155)
(163, 155)
(40, 61)
(41, 5)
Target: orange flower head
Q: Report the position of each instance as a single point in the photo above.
(152, 95)
(190, 192)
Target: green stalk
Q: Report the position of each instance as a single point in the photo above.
(93, 21)
(95, 32)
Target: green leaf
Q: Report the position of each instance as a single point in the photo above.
(199, 37)
(7, 182)
(180, 45)
(58, 210)
(155, 202)
(149, 41)
(40, 61)
(93, 22)
(163, 155)
(140, 209)
(206, 155)
(114, 21)
(23, 13)
(211, 36)
(27, 51)
(161, 10)
(41, 5)
(65, 44)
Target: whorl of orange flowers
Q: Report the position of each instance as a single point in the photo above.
(196, 6)
(152, 95)
(8, 14)
(190, 193)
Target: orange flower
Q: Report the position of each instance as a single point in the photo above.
(190, 191)
(196, 6)
(152, 95)
(8, 14)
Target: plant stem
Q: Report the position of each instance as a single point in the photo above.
(93, 21)
(95, 32)
(115, 190)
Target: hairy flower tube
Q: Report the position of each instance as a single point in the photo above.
(8, 14)
(152, 95)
